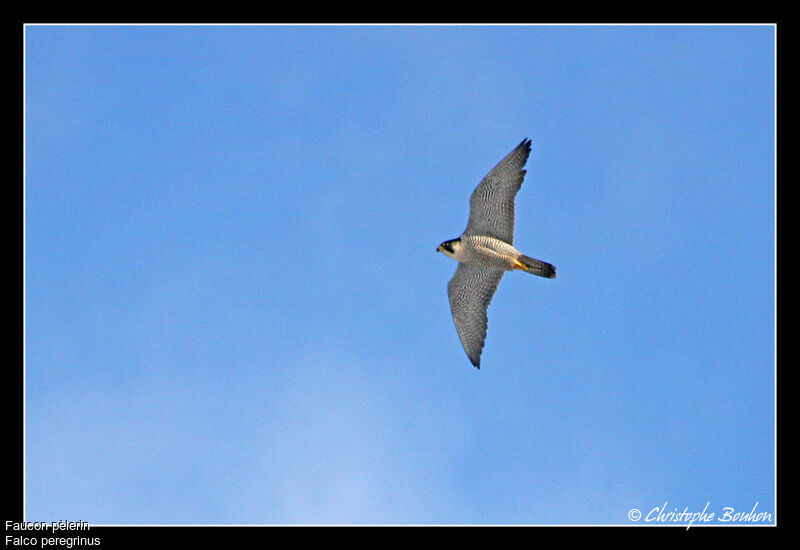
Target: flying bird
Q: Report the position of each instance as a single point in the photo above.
(485, 250)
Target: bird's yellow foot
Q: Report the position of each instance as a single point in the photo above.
(520, 265)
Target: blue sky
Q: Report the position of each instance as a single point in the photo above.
(235, 313)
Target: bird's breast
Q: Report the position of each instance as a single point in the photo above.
(489, 252)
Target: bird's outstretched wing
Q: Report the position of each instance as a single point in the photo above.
(491, 206)
(470, 291)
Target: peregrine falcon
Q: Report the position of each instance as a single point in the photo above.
(484, 251)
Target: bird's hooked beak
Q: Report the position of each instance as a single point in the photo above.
(447, 247)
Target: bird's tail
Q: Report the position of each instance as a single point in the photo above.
(537, 267)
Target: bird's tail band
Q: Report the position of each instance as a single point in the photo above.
(537, 267)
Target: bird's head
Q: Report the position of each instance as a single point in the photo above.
(449, 248)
